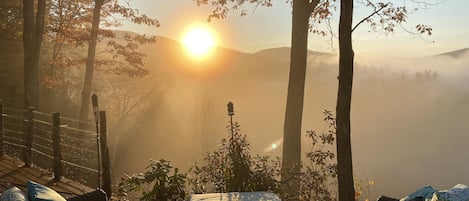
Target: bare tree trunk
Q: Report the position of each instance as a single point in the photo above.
(28, 48)
(39, 32)
(86, 92)
(33, 30)
(344, 99)
(291, 155)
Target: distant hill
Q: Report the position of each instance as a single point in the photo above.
(169, 55)
(455, 54)
(283, 53)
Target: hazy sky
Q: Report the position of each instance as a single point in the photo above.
(271, 27)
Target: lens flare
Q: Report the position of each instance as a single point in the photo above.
(274, 145)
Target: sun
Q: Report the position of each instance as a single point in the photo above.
(199, 41)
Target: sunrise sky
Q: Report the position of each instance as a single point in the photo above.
(271, 27)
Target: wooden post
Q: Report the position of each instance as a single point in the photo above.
(2, 130)
(106, 161)
(58, 170)
(28, 133)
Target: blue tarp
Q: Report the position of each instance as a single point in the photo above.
(459, 192)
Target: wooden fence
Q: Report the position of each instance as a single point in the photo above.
(55, 143)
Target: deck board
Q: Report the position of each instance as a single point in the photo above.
(14, 173)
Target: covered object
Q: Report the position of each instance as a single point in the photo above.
(235, 196)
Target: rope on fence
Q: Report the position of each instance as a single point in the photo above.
(43, 114)
(14, 144)
(78, 121)
(40, 116)
(48, 140)
(42, 133)
(45, 148)
(42, 153)
(80, 166)
(11, 138)
(81, 132)
(69, 137)
(42, 122)
(71, 147)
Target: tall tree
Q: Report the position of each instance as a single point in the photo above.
(33, 30)
(291, 153)
(93, 40)
(344, 99)
(388, 16)
(126, 60)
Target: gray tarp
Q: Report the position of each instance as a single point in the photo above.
(235, 196)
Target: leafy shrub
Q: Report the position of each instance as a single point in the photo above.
(319, 172)
(154, 184)
(231, 168)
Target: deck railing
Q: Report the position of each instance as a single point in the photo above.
(65, 146)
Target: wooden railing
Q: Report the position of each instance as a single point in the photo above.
(55, 143)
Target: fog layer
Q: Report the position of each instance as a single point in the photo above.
(410, 117)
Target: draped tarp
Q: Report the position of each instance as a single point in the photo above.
(459, 192)
(235, 196)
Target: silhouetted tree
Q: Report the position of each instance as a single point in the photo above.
(388, 16)
(93, 40)
(344, 97)
(126, 60)
(33, 30)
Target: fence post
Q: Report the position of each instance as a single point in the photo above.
(2, 129)
(106, 162)
(29, 129)
(58, 170)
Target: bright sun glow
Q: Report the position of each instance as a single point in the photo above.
(199, 41)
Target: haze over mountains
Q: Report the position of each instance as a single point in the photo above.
(409, 116)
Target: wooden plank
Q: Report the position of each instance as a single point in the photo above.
(14, 173)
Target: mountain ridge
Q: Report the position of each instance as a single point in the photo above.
(454, 54)
(283, 53)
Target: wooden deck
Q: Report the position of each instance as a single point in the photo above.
(14, 173)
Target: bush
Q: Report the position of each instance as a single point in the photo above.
(319, 174)
(231, 168)
(154, 184)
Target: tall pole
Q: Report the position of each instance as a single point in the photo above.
(106, 161)
(231, 113)
(94, 102)
(2, 129)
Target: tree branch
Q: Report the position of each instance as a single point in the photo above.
(369, 16)
(312, 5)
